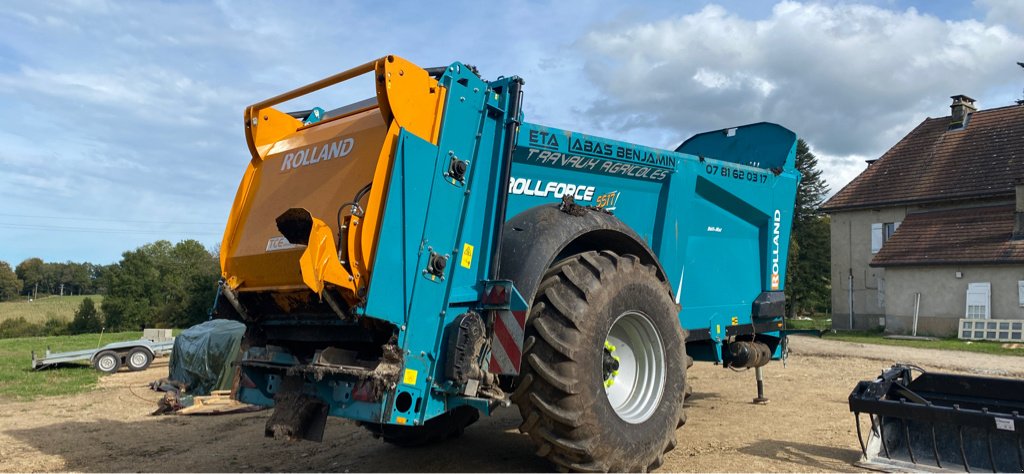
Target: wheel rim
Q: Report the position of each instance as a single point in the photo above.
(106, 363)
(636, 382)
(138, 359)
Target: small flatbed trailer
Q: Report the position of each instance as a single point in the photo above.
(136, 355)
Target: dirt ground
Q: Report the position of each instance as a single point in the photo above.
(806, 426)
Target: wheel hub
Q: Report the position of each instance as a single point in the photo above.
(106, 363)
(138, 359)
(633, 367)
(609, 364)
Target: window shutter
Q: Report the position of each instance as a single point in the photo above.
(876, 237)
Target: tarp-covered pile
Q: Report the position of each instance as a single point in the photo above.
(203, 355)
(201, 368)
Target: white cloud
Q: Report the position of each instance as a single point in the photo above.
(850, 79)
(132, 109)
(840, 170)
(140, 92)
(1004, 12)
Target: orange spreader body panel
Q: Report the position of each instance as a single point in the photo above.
(319, 167)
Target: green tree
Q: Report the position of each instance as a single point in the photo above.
(19, 327)
(195, 276)
(30, 271)
(133, 286)
(54, 326)
(807, 272)
(87, 319)
(52, 277)
(76, 277)
(48, 277)
(160, 284)
(10, 284)
(98, 280)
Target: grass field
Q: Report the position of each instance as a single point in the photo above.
(821, 323)
(818, 322)
(38, 311)
(18, 380)
(949, 344)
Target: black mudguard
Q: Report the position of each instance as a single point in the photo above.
(538, 237)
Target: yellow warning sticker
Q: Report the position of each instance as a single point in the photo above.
(410, 377)
(735, 321)
(718, 329)
(467, 255)
(400, 419)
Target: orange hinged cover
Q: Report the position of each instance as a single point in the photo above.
(317, 168)
(320, 167)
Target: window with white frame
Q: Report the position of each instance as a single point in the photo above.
(880, 233)
(979, 300)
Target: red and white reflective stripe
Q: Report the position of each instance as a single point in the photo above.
(498, 296)
(507, 343)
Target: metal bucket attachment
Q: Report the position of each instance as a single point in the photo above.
(940, 422)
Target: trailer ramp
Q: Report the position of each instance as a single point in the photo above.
(940, 422)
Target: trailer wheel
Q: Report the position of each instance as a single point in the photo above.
(449, 425)
(107, 362)
(604, 368)
(139, 359)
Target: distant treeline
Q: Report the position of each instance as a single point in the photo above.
(157, 285)
(49, 278)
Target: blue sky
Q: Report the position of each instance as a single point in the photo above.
(122, 120)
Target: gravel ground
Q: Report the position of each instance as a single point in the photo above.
(807, 425)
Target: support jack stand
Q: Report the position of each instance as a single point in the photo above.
(761, 399)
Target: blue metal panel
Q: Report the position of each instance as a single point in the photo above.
(720, 225)
(617, 176)
(428, 211)
(765, 145)
(402, 228)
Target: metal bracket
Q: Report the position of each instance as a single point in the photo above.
(436, 265)
(457, 169)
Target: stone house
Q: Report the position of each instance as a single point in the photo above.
(934, 227)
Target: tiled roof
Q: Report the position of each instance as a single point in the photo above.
(976, 235)
(933, 163)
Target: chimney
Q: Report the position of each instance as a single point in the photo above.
(1018, 214)
(962, 107)
(1020, 102)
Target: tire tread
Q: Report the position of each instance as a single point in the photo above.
(545, 393)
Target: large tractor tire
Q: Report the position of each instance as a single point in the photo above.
(449, 425)
(604, 372)
(689, 388)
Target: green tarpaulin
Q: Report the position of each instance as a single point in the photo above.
(203, 355)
